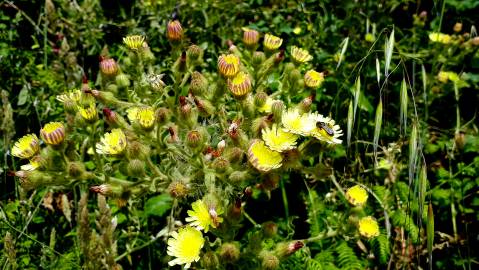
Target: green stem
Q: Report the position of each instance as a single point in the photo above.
(321, 236)
(285, 199)
(248, 217)
(136, 249)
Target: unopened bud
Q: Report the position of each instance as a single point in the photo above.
(204, 107)
(269, 261)
(221, 164)
(194, 139)
(286, 249)
(260, 99)
(181, 64)
(277, 109)
(250, 37)
(109, 67)
(460, 140)
(199, 84)
(259, 124)
(136, 150)
(122, 80)
(237, 177)
(294, 76)
(210, 260)
(76, 169)
(174, 31)
(194, 52)
(271, 181)
(234, 154)
(270, 229)
(163, 115)
(288, 67)
(258, 58)
(229, 252)
(136, 168)
(305, 105)
(112, 88)
(107, 190)
(221, 145)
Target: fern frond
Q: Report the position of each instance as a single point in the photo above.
(347, 258)
(401, 219)
(381, 248)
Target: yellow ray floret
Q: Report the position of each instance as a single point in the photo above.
(26, 147)
(368, 227)
(201, 217)
(357, 195)
(263, 158)
(185, 245)
(113, 143)
(279, 140)
(272, 42)
(297, 123)
(300, 55)
(134, 42)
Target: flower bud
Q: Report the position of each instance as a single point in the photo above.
(204, 107)
(108, 67)
(238, 177)
(221, 164)
(460, 139)
(173, 131)
(294, 76)
(112, 88)
(277, 109)
(250, 37)
(199, 84)
(76, 169)
(155, 81)
(270, 229)
(270, 181)
(228, 65)
(122, 80)
(108, 190)
(53, 133)
(269, 261)
(258, 58)
(174, 31)
(457, 27)
(260, 99)
(300, 56)
(194, 139)
(259, 124)
(210, 260)
(234, 154)
(136, 150)
(305, 105)
(88, 113)
(163, 115)
(178, 189)
(230, 252)
(181, 65)
(136, 168)
(113, 119)
(194, 52)
(288, 67)
(286, 249)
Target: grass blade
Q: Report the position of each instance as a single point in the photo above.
(403, 108)
(377, 128)
(422, 188)
(343, 51)
(413, 153)
(378, 72)
(350, 122)
(430, 233)
(424, 88)
(388, 53)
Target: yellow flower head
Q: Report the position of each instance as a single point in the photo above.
(185, 245)
(202, 218)
(228, 65)
(263, 158)
(250, 37)
(134, 42)
(240, 85)
(300, 55)
(368, 227)
(296, 123)
(32, 165)
(266, 108)
(440, 37)
(357, 195)
(73, 97)
(272, 42)
(326, 130)
(113, 143)
(313, 79)
(88, 113)
(26, 147)
(279, 140)
(445, 76)
(144, 116)
(53, 133)
(174, 31)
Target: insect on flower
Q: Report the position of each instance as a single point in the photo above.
(325, 127)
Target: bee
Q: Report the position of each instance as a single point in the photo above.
(325, 127)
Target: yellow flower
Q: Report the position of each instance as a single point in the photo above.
(53, 133)
(174, 31)
(185, 245)
(88, 113)
(228, 65)
(326, 130)
(26, 147)
(250, 37)
(202, 218)
(300, 55)
(240, 85)
(445, 76)
(263, 158)
(313, 79)
(144, 116)
(113, 143)
(368, 227)
(296, 123)
(272, 42)
(357, 195)
(278, 139)
(440, 37)
(74, 96)
(134, 42)
(32, 165)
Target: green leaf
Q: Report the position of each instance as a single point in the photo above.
(22, 96)
(158, 205)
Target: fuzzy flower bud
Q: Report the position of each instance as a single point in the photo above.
(194, 52)
(53, 133)
(250, 37)
(229, 252)
(122, 80)
(240, 85)
(178, 189)
(277, 108)
(260, 99)
(269, 261)
(221, 164)
(194, 139)
(199, 84)
(286, 249)
(210, 260)
(174, 31)
(228, 65)
(109, 67)
(136, 150)
(163, 115)
(313, 79)
(76, 169)
(107, 190)
(181, 63)
(136, 168)
(270, 229)
(258, 58)
(204, 106)
(112, 118)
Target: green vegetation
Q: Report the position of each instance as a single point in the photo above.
(239, 134)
